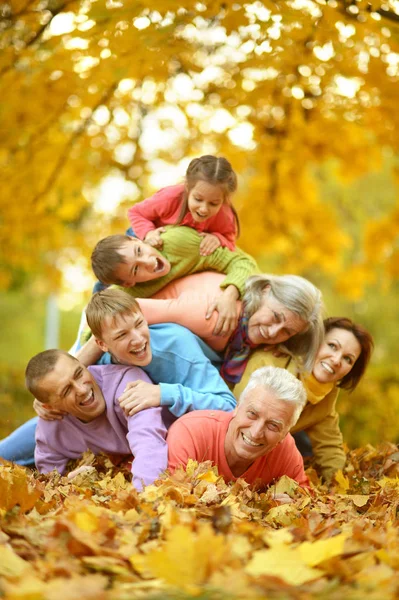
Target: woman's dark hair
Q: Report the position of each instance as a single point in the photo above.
(365, 339)
(215, 170)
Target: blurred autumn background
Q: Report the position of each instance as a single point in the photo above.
(101, 103)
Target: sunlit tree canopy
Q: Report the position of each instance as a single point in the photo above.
(101, 102)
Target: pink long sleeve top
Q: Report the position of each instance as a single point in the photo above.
(163, 208)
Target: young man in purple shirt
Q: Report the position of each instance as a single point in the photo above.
(94, 419)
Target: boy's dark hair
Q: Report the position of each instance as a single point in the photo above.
(106, 257)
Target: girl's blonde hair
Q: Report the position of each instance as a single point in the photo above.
(299, 296)
(215, 170)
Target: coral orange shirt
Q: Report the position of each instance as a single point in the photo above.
(185, 301)
(200, 435)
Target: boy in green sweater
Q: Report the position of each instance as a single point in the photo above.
(142, 270)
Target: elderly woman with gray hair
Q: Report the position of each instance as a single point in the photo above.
(276, 309)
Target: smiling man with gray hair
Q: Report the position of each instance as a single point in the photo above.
(253, 441)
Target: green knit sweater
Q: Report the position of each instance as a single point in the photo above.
(181, 248)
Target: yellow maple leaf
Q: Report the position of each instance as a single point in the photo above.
(313, 553)
(285, 485)
(191, 466)
(86, 521)
(185, 560)
(389, 481)
(285, 514)
(208, 476)
(284, 562)
(342, 481)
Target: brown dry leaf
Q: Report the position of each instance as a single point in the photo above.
(359, 500)
(169, 538)
(285, 485)
(18, 488)
(285, 514)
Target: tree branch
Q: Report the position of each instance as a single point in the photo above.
(60, 163)
(37, 34)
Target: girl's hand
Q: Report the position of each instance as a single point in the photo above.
(226, 306)
(154, 237)
(48, 414)
(209, 244)
(139, 395)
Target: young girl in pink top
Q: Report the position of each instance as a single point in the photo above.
(202, 202)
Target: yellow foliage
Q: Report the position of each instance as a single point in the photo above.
(73, 100)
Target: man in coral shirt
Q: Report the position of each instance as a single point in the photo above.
(253, 441)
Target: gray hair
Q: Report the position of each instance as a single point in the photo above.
(283, 384)
(299, 296)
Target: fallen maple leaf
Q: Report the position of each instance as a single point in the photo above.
(284, 562)
(187, 559)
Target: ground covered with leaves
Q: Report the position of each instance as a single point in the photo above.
(191, 535)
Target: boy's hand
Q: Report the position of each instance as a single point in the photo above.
(226, 306)
(139, 395)
(48, 414)
(208, 244)
(154, 237)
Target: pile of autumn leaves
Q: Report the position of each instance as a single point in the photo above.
(192, 535)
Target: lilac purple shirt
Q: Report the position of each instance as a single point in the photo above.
(142, 435)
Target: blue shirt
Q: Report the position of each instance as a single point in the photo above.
(181, 364)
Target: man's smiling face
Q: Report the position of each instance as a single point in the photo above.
(141, 263)
(72, 388)
(260, 422)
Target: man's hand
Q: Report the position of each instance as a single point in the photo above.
(81, 471)
(153, 237)
(226, 306)
(282, 498)
(139, 395)
(48, 414)
(208, 244)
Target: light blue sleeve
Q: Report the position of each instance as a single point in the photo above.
(19, 446)
(105, 359)
(201, 388)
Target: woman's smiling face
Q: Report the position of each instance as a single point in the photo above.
(336, 356)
